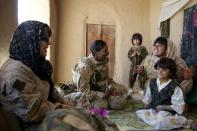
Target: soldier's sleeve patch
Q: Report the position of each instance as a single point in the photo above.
(19, 85)
(4, 90)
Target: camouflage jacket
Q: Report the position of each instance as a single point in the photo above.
(91, 78)
(23, 93)
(88, 74)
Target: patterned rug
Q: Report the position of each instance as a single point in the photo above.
(127, 120)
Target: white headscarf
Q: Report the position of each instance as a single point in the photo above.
(171, 50)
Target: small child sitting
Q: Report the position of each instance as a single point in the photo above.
(164, 99)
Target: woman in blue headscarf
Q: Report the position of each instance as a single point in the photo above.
(26, 87)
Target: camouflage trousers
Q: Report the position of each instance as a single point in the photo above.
(76, 119)
(113, 101)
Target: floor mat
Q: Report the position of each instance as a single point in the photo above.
(127, 120)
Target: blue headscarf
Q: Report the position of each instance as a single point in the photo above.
(25, 47)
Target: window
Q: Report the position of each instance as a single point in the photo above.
(189, 37)
(34, 10)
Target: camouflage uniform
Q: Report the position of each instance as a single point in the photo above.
(77, 119)
(23, 93)
(91, 78)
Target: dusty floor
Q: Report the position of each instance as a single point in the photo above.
(127, 120)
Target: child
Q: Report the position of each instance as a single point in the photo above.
(164, 100)
(136, 54)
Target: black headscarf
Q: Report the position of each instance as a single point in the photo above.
(25, 47)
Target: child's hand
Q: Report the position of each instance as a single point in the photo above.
(67, 102)
(138, 53)
(110, 81)
(116, 93)
(108, 91)
(134, 53)
(159, 108)
(140, 69)
(187, 74)
(145, 106)
(164, 108)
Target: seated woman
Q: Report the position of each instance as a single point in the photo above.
(26, 87)
(164, 99)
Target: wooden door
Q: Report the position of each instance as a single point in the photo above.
(105, 33)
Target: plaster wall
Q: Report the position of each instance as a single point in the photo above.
(129, 16)
(8, 23)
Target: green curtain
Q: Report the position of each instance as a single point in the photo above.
(165, 28)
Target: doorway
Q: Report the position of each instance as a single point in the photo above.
(105, 33)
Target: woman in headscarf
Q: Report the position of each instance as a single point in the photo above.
(26, 86)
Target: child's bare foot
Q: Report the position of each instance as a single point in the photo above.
(193, 125)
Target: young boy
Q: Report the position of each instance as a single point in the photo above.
(164, 99)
